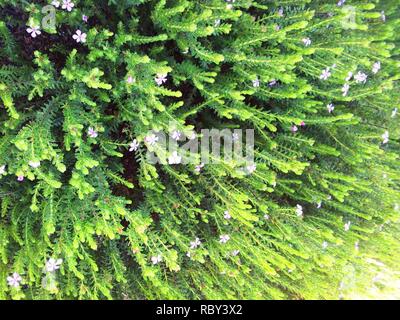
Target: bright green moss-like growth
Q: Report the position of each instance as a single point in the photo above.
(85, 214)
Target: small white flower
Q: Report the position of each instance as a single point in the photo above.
(341, 2)
(188, 254)
(134, 146)
(396, 207)
(14, 280)
(299, 210)
(160, 79)
(227, 215)
(195, 244)
(394, 112)
(53, 264)
(224, 238)
(329, 197)
(2, 169)
(345, 89)
(319, 205)
(34, 164)
(192, 135)
(199, 167)
(176, 135)
(235, 253)
(92, 133)
(361, 77)
(383, 16)
(130, 80)
(68, 5)
(174, 158)
(325, 74)
(34, 31)
(324, 245)
(349, 76)
(79, 36)
(385, 137)
(376, 67)
(251, 168)
(357, 245)
(347, 226)
(280, 12)
(256, 83)
(272, 83)
(217, 22)
(151, 139)
(306, 41)
(266, 216)
(330, 107)
(235, 136)
(56, 3)
(156, 259)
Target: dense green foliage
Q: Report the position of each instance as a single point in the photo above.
(320, 208)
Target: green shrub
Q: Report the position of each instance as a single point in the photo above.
(85, 215)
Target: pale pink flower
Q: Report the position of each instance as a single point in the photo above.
(345, 89)
(227, 215)
(79, 36)
(194, 244)
(306, 41)
(85, 18)
(92, 133)
(251, 168)
(134, 146)
(385, 137)
(68, 5)
(341, 2)
(224, 238)
(376, 67)
(361, 77)
(176, 135)
(294, 128)
(302, 124)
(199, 167)
(20, 178)
(349, 76)
(235, 253)
(299, 210)
(34, 164)
(160, 79)
(55, 3)
(330, 107)
(256, 83)
(174, 158)
(14, 280)
(156, 259)
(325, 74)
(130, 80)
(151, 139)
(53, 264)
(266, 217)
(34, 31)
